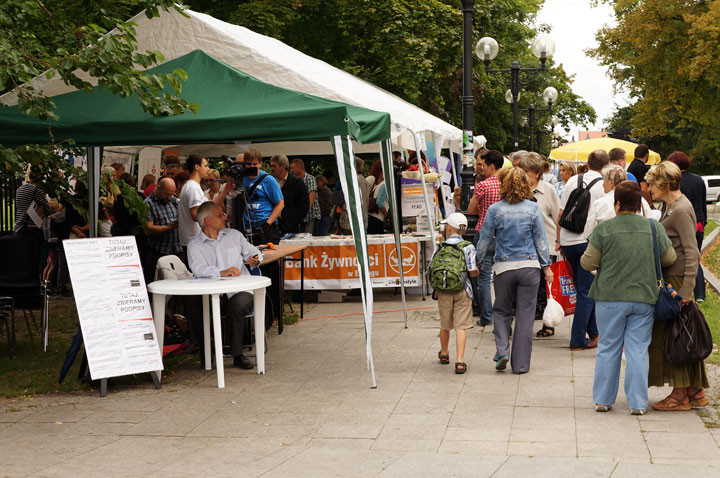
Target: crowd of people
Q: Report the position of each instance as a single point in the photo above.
(522, 229)
(263, 206)
(526, 223)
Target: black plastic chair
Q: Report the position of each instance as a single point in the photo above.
(20, 279)
(7, 318)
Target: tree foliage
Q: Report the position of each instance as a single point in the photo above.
(665, 52)
(413, 48)
(69, 39)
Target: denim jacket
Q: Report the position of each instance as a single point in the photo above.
(518, 232)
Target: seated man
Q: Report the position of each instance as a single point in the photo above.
(221, 252)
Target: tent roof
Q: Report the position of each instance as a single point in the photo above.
(233, 107)
(272, 62)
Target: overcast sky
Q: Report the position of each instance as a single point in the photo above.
(574, 24)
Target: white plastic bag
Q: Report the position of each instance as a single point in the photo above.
(554, 313)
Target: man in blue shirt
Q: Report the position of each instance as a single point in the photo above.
(265, 201)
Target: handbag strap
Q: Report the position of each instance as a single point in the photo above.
(658, 271)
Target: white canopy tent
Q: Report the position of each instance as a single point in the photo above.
(273, 62)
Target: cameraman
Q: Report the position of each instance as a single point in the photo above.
(265, 200)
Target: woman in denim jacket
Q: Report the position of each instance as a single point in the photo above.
(515, 226)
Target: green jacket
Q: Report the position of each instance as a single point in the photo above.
(621, 251)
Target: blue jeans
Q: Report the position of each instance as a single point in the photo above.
(483, 295)
(322, 227)
(627, 324)
(584, 320)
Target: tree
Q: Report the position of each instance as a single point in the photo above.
(664, 53)
(69, 39)
(413, 49)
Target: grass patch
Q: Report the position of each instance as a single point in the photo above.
(32, 371)
(711, 310)
(710, 227)
(711, 307)
(290, 318)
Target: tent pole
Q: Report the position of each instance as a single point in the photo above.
(431, 219)
(389, 172)
(94, 159)
(437, 145)
(342, 145)
(452, 164)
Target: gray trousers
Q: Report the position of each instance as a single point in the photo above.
(520, 286)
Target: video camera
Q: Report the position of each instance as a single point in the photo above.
(238, 171)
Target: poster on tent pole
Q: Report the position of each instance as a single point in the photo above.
(413, 202)
(113, 306)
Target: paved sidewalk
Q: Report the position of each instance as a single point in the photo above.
(314, 414)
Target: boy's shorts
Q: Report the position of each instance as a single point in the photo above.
(455, 310)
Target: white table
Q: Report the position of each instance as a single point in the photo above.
(213, 288)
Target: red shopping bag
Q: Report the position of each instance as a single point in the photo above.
(562, 288)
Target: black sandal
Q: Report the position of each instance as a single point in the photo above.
(545, 331)
(460, 367)
(444, 359)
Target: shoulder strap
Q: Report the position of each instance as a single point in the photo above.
(658, 272)
(592, 183)
(256, 183)
(463, 244)
(580, 181)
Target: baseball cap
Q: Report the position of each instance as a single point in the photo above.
(456, 220)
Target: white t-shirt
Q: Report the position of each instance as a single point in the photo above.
(191, 196)
(568, 238)
(604, 209)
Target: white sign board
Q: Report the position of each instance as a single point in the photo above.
(113, 306)
(413, 202)
(125, 158)
(149, 162)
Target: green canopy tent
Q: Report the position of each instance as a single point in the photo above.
(234, 107)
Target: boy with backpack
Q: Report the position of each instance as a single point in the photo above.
(452, 263)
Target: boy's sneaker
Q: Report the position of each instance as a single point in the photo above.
(501, 364)
(637, 411)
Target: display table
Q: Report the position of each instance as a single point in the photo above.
(213, 288)
(330, 262)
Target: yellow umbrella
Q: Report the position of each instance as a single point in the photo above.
(579, 150)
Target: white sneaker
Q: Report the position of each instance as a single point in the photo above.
(603, 408)
(635, 411)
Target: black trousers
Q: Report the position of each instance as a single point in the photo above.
(542, 293)
(236, 309)
(262, 235)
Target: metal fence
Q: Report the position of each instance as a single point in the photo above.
(8, 186)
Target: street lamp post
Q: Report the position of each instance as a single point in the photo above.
(550, 95)
(467, 174)
(487, 49)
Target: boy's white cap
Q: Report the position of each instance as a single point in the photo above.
(456, 220)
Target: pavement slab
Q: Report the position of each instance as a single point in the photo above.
(315, 414)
